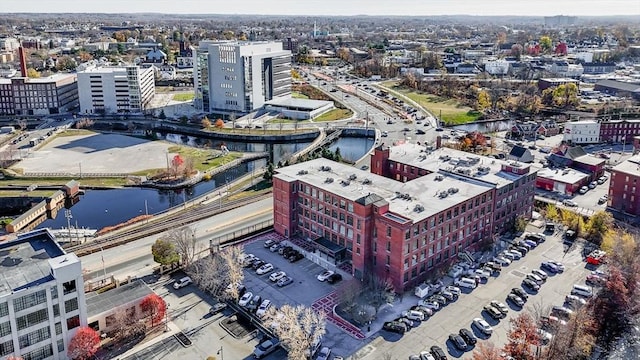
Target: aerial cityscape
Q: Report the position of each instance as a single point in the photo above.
(320, 181)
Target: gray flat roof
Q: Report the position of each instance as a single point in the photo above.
(631, 166)
(98, 303)
(589, 159)
(403, 198)
(24, 262)
(565, 176)
(307, 104)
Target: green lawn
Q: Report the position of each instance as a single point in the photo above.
(183, 97)
(333, 115)
(106, 182)
(449, 110)
(203, 159)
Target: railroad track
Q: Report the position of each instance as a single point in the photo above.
(161, 224)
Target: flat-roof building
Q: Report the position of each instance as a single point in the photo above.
(416, 210)
(50, 95)
(624, 185)
(115, 89)
(42, 301)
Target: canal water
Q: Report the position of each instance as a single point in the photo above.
(99, 208)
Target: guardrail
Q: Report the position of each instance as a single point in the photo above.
(240, 234)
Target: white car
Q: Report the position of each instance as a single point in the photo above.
(262, 309)
(325, 275)
(324, 353)
(244, 300)
(432, 305)
(182, 282)
(264, 269)
(277, 276)
(453, 289)
(483, 326)
(413, 315)
(559, 265)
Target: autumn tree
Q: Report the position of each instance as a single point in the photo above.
(575, 339)
(83, 344)
(33, 73)
(216, 272)
(176, 164)
(545, 43)
(65, 63)
(521, 336)
(154, 308)
(297, 327)
(486, 351)
(219, 124)
(164, 252)
(205, 122)
(597, 225)
(551, 212)
(483, 101)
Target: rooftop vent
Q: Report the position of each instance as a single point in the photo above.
(445, 157)
(303, 172)
(345, 182)
(452, 190)
(418, 208)
(439, 178)
(325, 168)
(483, 170)
(406, 196)
(366, 181)
(352, 177)
(443, 195)
(328, 180)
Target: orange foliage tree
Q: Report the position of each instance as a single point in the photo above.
(84, 344)
(153, 307)
(521, 336)
(219, 124)
(486, 351)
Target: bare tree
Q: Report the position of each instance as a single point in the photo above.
(184, 239)
(486, 351)
(219, 273)
(126, 324)
(299, 328)
(379, 292)
(348, 293)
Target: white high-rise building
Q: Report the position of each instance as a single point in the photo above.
(42, 302)
(240, 77)
(115, 89)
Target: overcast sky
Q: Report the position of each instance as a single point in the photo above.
(333, 7)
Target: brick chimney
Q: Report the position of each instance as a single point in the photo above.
(23, 62)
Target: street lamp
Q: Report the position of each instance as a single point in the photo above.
(220, 353)
(166, 317)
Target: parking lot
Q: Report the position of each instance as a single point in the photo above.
(460, 313)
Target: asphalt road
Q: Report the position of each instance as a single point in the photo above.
(135, 259)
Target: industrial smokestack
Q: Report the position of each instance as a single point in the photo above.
(23, 62)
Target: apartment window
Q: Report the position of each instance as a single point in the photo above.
(5, 328)
(388, 245)
(388, 230)
(358, 250)
(73, 322)
(34, 337)
(31, 319)
(71, 305)
(60, 345)
(69, 287)
(54, 292)
(38, 354)
(58, 328)
(388, 260)
(4, 309)
(30, 300)
(407, 235)
(56, 310)
(6, 348)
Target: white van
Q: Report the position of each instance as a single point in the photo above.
(466, 282)
(582, 290)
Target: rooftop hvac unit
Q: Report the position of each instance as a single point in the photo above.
(328, 180)
(325, 168)
(406, 196)
(439, 178)
(418, 208)
(452, 190)
(443, 195)
(303, 172)
(366, 181)
(345, 182)
(352, 177)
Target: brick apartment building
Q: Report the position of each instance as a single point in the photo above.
(623, 188)
(619, 131)
(415, 211)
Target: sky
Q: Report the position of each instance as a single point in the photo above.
(332, 7)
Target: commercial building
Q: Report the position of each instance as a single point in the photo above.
(576, 158)
(624, 186)
(104, 307)
(621, 131)
(416, 211)
(115, 89)
(42, 301)
(582, 132)
(238, 77)
(55, 94)
(562, 181)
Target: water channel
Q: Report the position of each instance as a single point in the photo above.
(99, 208)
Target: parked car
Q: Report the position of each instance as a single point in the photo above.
(395, 326)
(583, 190)
(410, 324)
(254, 303)
(413, 315)
(559, 265)
(324, 275)
(550, 267)
(593, 185)
(439, 299)
(264, 306)
(217, 307)
(453, 289)
(493, 312)
(521, 293)
(468, 336)
(500, 306)
(531, 284)
(244, 300)
(541, 274)
(324, 353)
(275, 247)
(277, 276)
(257, 264)
(603, 199)
(295, 257)
(424, 355)
(182, 282)
(268, 267)
(265, 348)
(544, 336)
(335, 278)
(438, 353)
(569, 203)
(424, 310)
(268, 243)
(458, 342)
(534, 278)
(574, 301)
(517, 300)
(561, 311)
(447, 295)
(284, 281)
(483, 326)
(429, 304)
